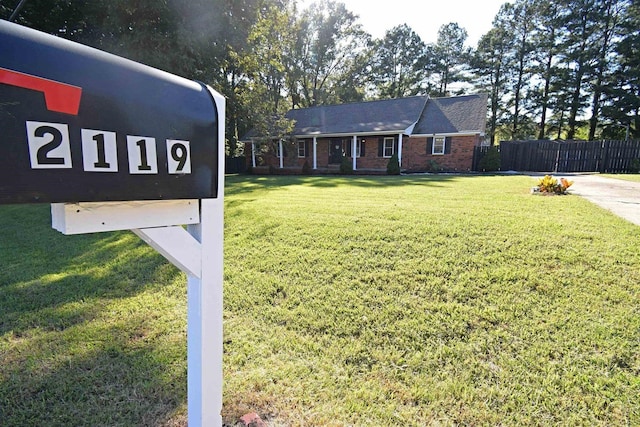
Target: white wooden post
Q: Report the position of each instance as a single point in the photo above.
(204, 305)
(315, 153)
(281, 153)
(253, 154)
(400, 150)
(354, 145)
(204, 320)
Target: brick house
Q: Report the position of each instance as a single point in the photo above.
(428, 134)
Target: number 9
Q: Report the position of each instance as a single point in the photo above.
(179, 157)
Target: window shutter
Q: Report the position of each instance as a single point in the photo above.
(447, 145)
(430, 145)
(362, 149)
(380, 147)
(395, 145)
(307, 149)
(284, 150)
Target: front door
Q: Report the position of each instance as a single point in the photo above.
(335, 151)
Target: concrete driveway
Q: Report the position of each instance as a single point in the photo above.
(620, 197)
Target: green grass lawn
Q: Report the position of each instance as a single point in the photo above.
(635, 177)
(382, 301)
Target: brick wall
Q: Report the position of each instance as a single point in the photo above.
(414, 155)
(460, 159)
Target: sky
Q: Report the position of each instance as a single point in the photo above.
(424, 16)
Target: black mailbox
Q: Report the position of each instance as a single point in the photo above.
(79, 125)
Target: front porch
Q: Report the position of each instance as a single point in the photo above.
(366, 154)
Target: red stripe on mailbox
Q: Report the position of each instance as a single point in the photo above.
(59, 97)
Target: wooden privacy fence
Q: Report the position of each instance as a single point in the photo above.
(566, 156)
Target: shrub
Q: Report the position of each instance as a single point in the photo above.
(272, 170)
(491, 161)
(306, 169)
(393, 167)
(346, 167)
(434, 166)
(635, 166)
(550, 185)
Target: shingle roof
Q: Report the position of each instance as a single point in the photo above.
(455, 114)
(390, 115)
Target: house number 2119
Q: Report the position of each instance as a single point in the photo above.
(49, 148)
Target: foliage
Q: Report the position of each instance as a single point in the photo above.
(635, 166)
(393, 166)
(328, 43)
(551, 185)
(433, 166)
(552, 68)
(491, 160)
(449, 56)
(399, 64)
(306, 168)
(346, 166)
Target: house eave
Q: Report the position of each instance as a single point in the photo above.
(349, 134)
(461, 133)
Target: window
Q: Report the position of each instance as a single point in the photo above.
(438, 145)
(302, 148)
(347, 144)
(388, 148)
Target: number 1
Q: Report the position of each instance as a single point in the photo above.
(99, 150)
(142, 155)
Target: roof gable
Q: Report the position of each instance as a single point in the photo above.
(457, 114)
(390, 115)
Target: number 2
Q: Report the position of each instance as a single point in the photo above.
(49, 146)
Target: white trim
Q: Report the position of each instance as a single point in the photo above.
(400, 150)
(433, 145)
(469, 133)
(349, 135)
(280, 154)
(409, 130)
(304, 142)
(384, 142)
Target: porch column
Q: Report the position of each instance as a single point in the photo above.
(400, 150)
(353, 150)
(315, 153)
(281, 153)
(253, 154)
